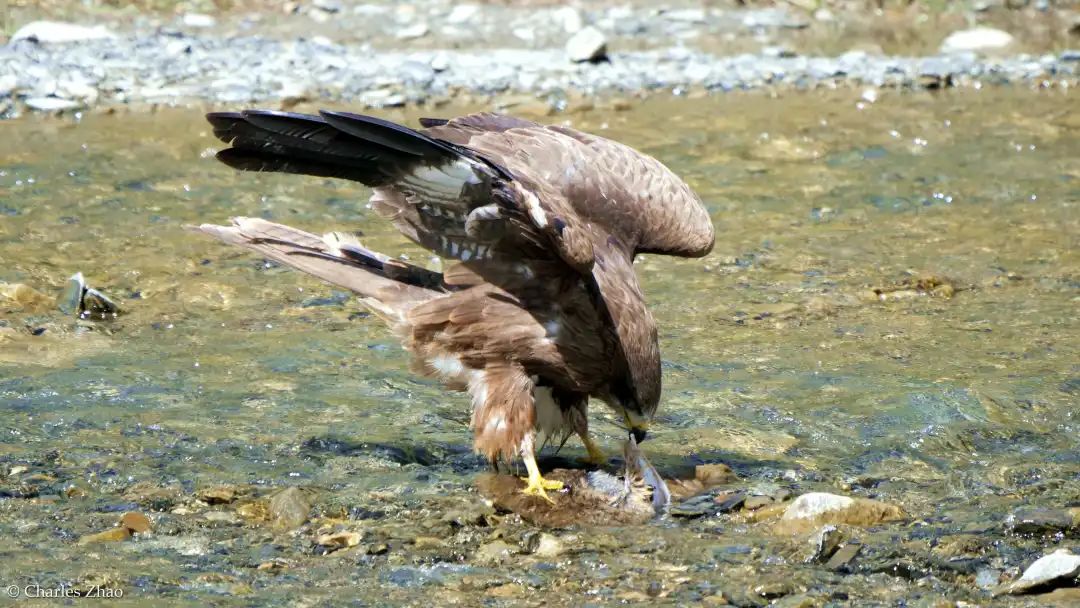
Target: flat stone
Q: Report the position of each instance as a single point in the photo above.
(219, 495)
(843, 556)
(976, 39)
(109, 536)
(588, 44)
(1059, 569)
(1038, 520)
(198, 20)
(417, 30)
(51, 104)
(59, 32)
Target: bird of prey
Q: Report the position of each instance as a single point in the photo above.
(538, 308)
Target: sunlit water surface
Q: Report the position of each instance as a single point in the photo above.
(816, 348)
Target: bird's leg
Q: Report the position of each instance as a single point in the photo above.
(538, 486)
(596, 455)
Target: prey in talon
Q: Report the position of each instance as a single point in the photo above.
(538, 308)
(639, 471)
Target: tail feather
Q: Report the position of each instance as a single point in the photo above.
(334, 144)
(390, 285)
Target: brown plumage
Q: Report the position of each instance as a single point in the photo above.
(542, 309)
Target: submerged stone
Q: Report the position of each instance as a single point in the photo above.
(289, 508)
(108, 536)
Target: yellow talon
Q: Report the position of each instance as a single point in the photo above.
(596, 455)
(538, 486)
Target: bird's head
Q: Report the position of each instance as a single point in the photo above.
(636, 412)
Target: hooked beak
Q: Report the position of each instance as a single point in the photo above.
(638, 426)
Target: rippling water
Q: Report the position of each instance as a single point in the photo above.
(891, 310)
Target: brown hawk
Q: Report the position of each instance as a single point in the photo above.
(542, 309)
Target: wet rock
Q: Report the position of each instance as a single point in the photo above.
(473, 515)
(493, 553)
(152, 497)
(58, 32)
(843, 556)
(821, 507)
(289, 508)
(86, 302)
(24, 298)
(588, 44)
(545, 545)
(428, 542)
(824, 543)
(816, 503)
(754, 503)
(221, 518)
(339, 540)
(715, 474)
(377, 549)
(978, 39)
(706, 476)
(108, 536)
(1039, 521)
(1059, 569)
(220, 495)
(135, 522)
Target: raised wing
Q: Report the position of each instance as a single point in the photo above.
(587, 184)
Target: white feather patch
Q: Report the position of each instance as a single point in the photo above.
(443, 181)
(549, 418)
(448, 366)
(536, 212)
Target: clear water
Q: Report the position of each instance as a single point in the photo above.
(780, 358)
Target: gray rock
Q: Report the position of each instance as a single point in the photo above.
(978, 39)
(813, 504)
(589, 44)
(843, 556)
(290, 508)
(569, 18)
(545, 545)
(824, 543)
(1059, 569)
(417, 73)
(417, 30)
(493, 553)
(1037, 520)
(440, 62)
(462, 13)
(58, 32)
